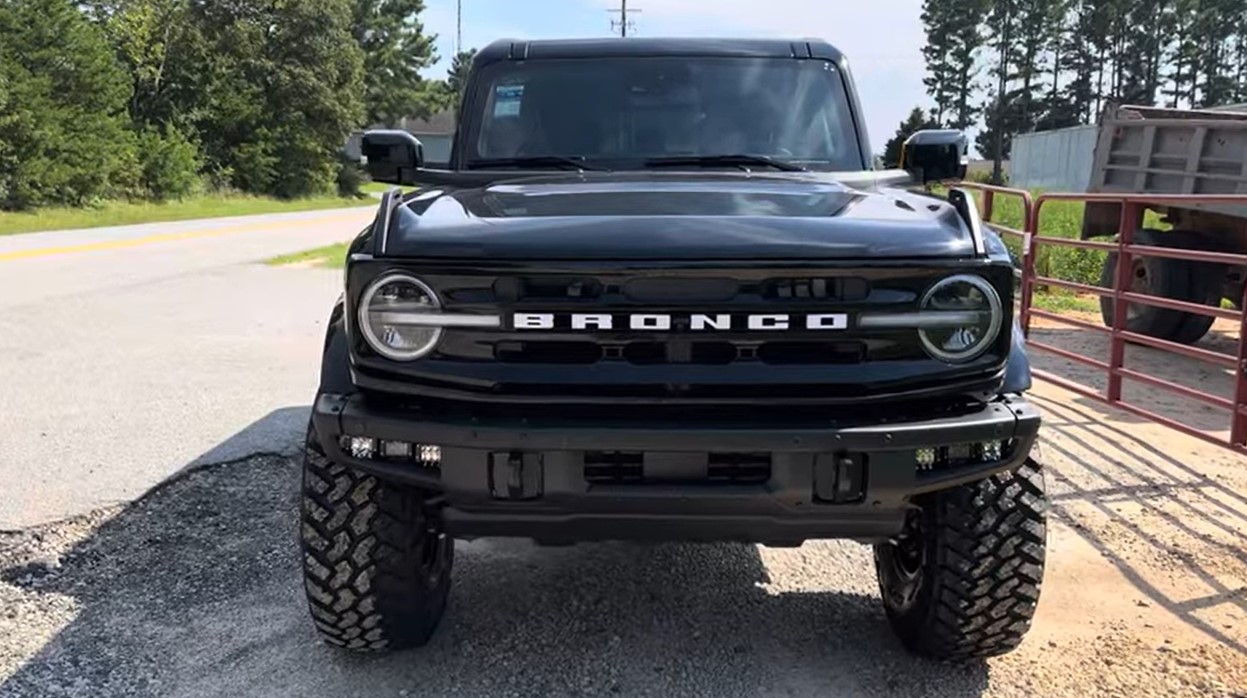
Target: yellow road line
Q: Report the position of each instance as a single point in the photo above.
(163, 237)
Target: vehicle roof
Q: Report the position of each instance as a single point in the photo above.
(515, 49)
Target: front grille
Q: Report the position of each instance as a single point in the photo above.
(630, 468)
(714, 342)
(676, 352)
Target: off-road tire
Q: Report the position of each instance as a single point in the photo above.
(376, 566)
(980, 569)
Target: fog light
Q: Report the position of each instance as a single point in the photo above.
(395, 449)
(925, 457)
(991, 450)
(429, 455)
(362, 447)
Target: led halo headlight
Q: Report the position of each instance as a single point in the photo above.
(961, 293)
(398, 294)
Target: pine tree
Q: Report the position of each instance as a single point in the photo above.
(1141, 52)
(1183, 57)
(1036, 26)
(1215, 36)
(993, 141)
(940, 22)
(1080, 62)
(968, 40)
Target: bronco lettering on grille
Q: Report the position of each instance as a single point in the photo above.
(582, 322)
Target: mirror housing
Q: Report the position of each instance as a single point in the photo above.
(934, 155)
(390, 155)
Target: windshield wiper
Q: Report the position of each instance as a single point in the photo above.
(739, 160)
(557, 161)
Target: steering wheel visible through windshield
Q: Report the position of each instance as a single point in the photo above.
(625, 112)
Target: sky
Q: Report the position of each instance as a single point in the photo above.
(882, 39)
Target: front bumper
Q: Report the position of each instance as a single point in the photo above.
(528, 478)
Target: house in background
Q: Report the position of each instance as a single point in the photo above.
(435, 133)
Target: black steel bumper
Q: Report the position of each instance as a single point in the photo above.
(527, 478)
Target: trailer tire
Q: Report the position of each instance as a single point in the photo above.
(1168, 278)
(962, 580)
(376, 564)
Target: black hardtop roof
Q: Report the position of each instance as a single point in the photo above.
(514, 49)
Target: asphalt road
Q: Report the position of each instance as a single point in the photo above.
(128, 353)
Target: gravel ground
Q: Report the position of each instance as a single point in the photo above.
(193, 591)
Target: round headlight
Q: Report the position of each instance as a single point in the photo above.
(383, 310)
(971, 313)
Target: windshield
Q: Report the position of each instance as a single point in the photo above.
(620, 112)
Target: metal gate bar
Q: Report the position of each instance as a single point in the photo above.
(1133, 207)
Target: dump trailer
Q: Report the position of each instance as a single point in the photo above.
(1157, 150)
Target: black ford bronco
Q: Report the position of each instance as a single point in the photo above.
(660, 291)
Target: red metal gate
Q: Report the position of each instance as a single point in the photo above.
(1133, 207)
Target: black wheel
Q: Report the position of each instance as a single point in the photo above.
(1168, 278)
(376, 563)
(962, 579)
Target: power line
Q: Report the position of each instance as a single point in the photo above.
(623, 23)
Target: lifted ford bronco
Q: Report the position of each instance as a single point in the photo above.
(659, 291)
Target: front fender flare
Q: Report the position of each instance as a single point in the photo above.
(335, 360)
(1018, 365)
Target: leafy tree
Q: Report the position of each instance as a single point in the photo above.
(396, 49)
(63, 96)
(457, 76)
(916, 121)
(281, 86)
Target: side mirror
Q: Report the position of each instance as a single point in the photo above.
(391, 156)
(935, 155)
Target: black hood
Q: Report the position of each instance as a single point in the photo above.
(675, 216)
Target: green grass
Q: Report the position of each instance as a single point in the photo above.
(330, 257)
(1062, 302)
(128, 213)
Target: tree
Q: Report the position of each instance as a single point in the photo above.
(1215, 40)
(1182, 75)
(63, 95)
(457, 76)
(1002, 21)
(968, 39)
(954, 37)
(940, 22)
(396, 49)
(916, 121)
(281, 85)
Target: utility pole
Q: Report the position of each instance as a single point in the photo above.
(623, 22)
(458, 26)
